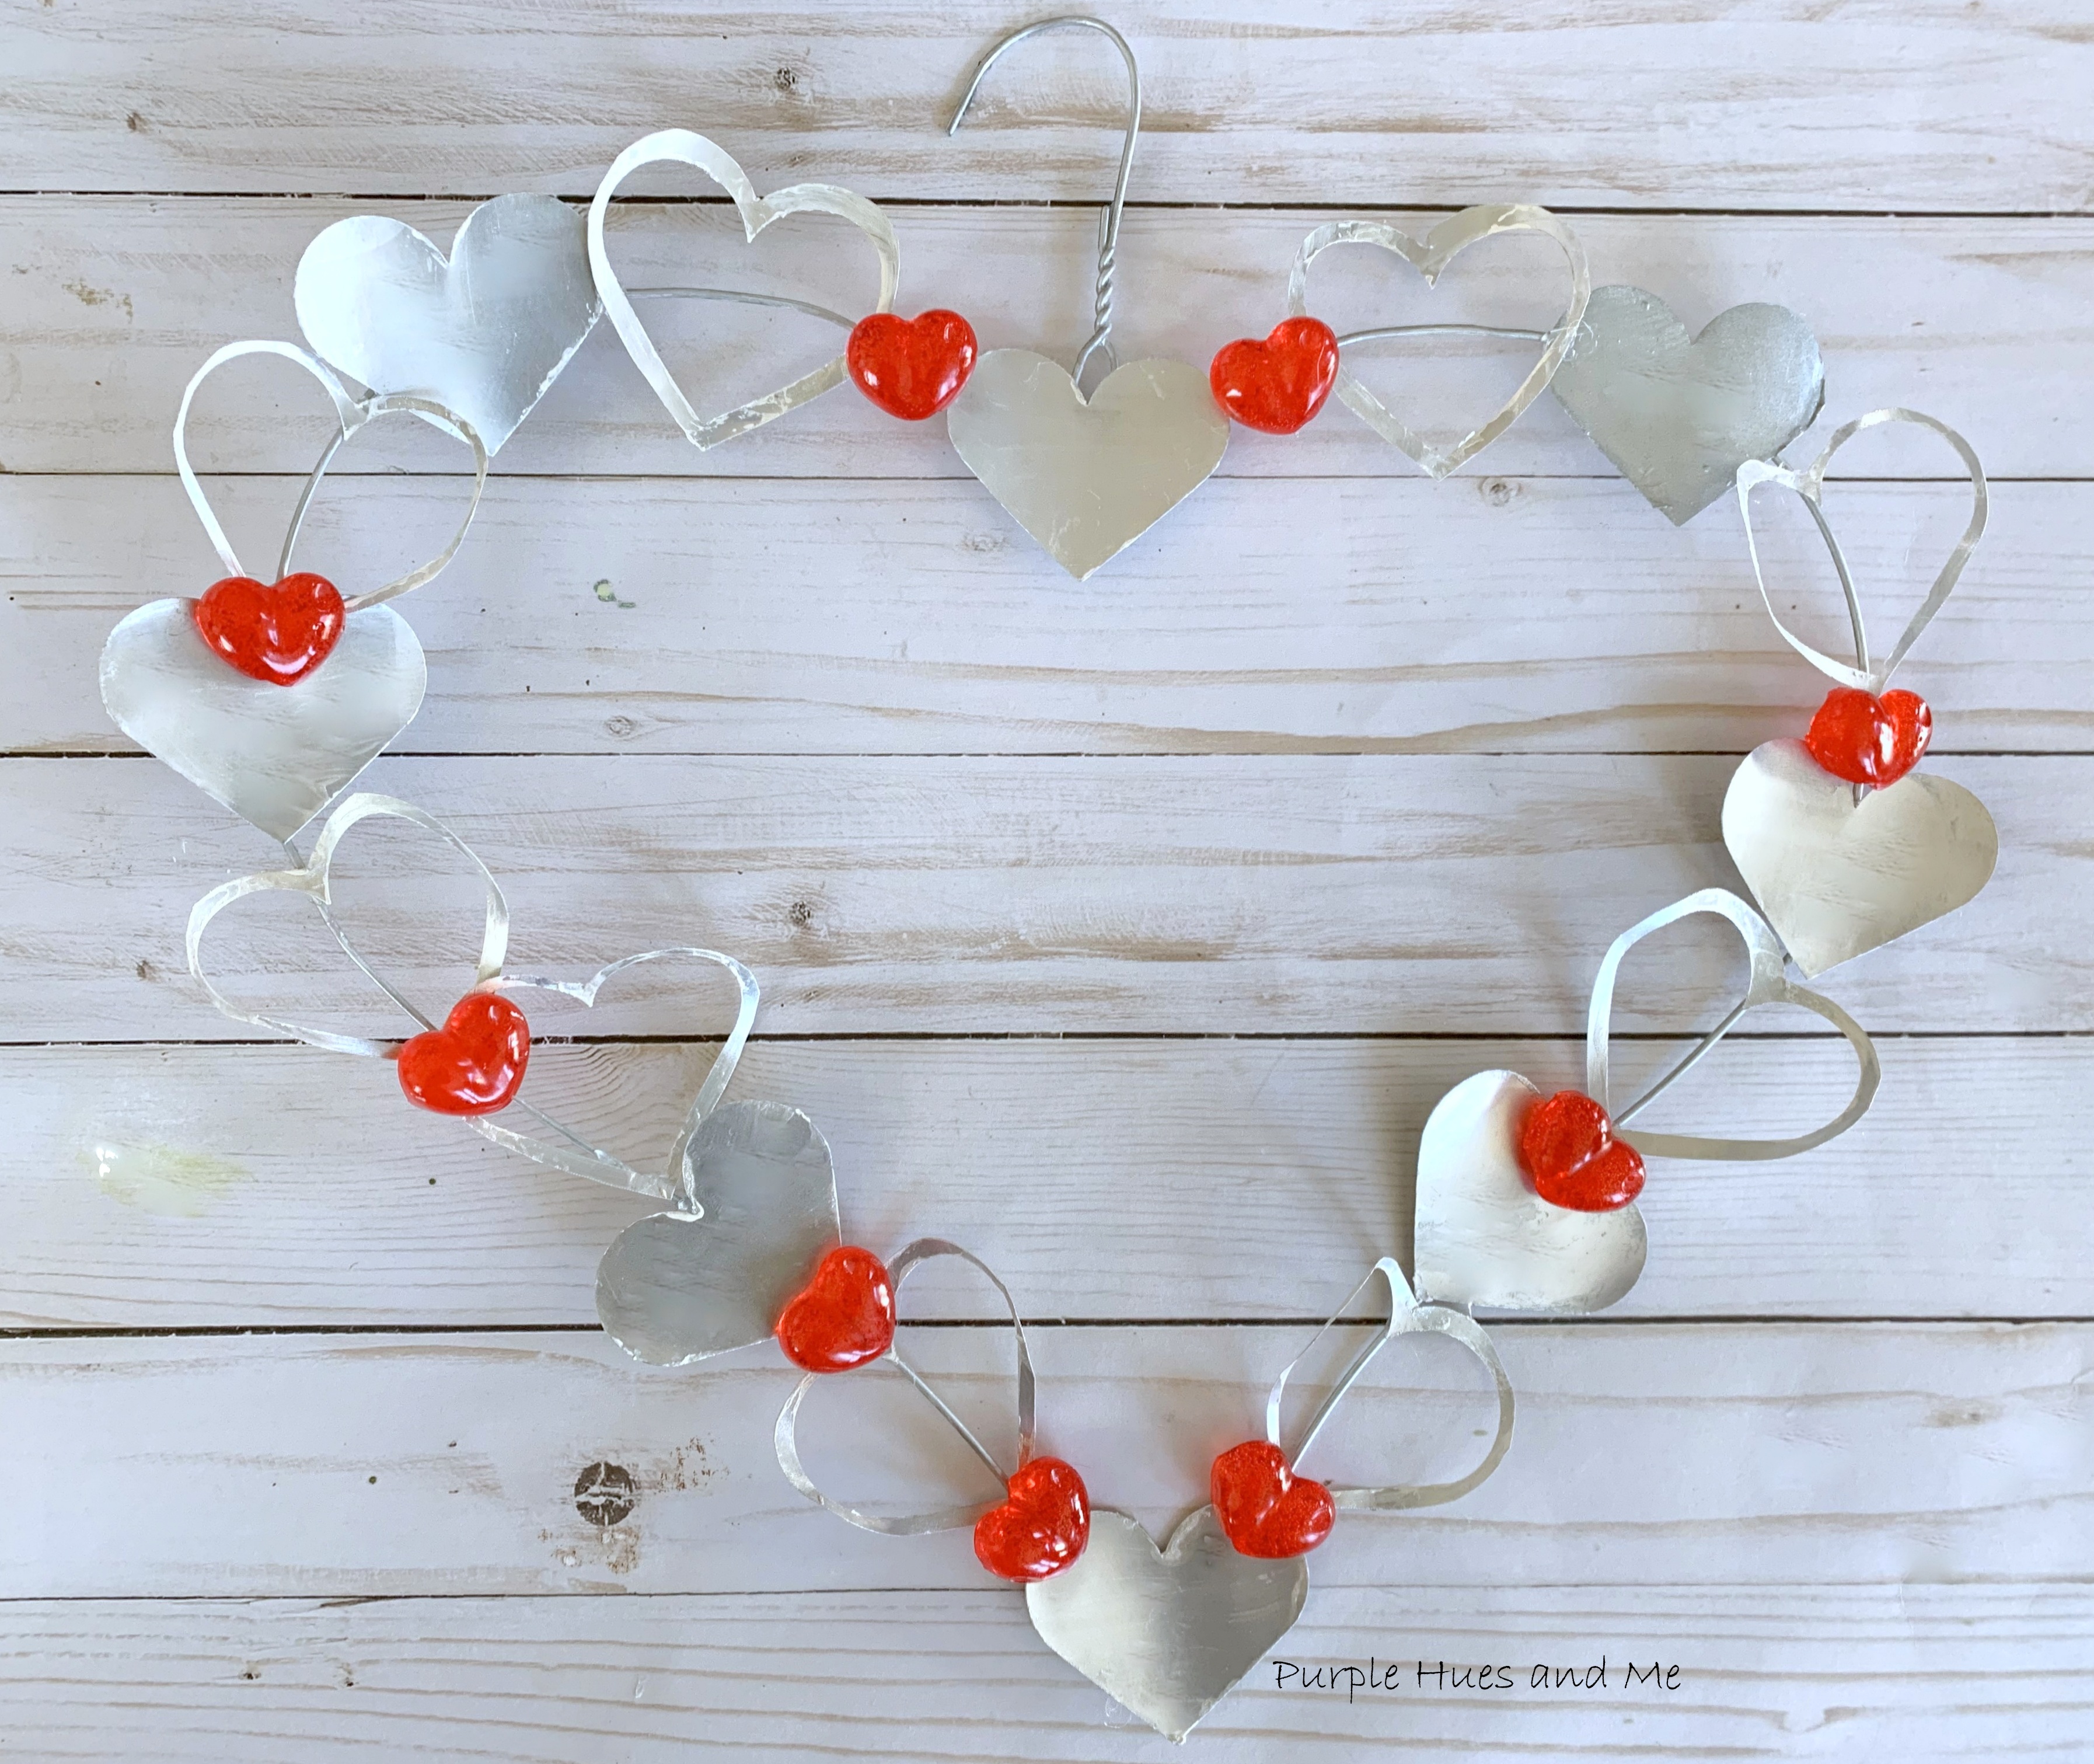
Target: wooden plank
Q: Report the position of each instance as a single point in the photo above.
(113, 303)
(777, 616)
(1386, 895)
(186, 1187)
(371, 1464)
(1921, 106)
(1913, 1672)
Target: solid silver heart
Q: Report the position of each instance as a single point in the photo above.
(275, 755)
(1483, 1237)
(1169, 1633)
(485, 333)
(1679, 414)
(1836, 879)
(1086, 479)
(676, 1287)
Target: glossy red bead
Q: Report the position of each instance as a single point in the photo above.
(1042, 1526)
(1278, 384)
(277, 633)
(911, 368)
(1264, 1508)
(1866, 740)
(1567, 1147)
(474, 1064)
(842, 1318)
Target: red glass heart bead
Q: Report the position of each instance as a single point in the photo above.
(1866, 740)
(1567, 1146)
(279, 633)
(842, 1318)
(1041, 1526)
(911, 368)
(1264, 1509)
(474, 1065)
(1278, 384)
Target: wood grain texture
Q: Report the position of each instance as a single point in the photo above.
(781, 616)
(1370, 894)
(368, 1465)
(1919, 106)
(1914, 1672)
(1364, 769)
(190, 1187)
(113, 303)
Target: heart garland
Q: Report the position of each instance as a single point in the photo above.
(1843, 844)
(1511, 1211)
(272, 699)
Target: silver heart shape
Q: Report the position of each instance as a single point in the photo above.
(1166, 1633)
(1086, 478)
(1483, 1237)
(1679, 414)
(1429, 257)
(684, 1286)
(684, 148)
(275, 755)
(484, 332)
(1837, 878)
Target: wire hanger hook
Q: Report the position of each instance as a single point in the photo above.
(1108, 222)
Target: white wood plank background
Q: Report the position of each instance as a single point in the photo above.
(1126, 931)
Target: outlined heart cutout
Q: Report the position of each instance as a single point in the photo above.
(683, 147)
(1429, 257)
(1810, 484)
(1482, 1235)
(1408, 1315)
(785, 1436)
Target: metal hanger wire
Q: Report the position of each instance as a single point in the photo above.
(1101, 317)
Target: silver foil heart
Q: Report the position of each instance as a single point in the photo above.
(1166, 1633)
(1679, 414)
(1086, 478)
(1836, 878)
(484, 332)
(275, 755)
(684, 1286)
(1483, 1237)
